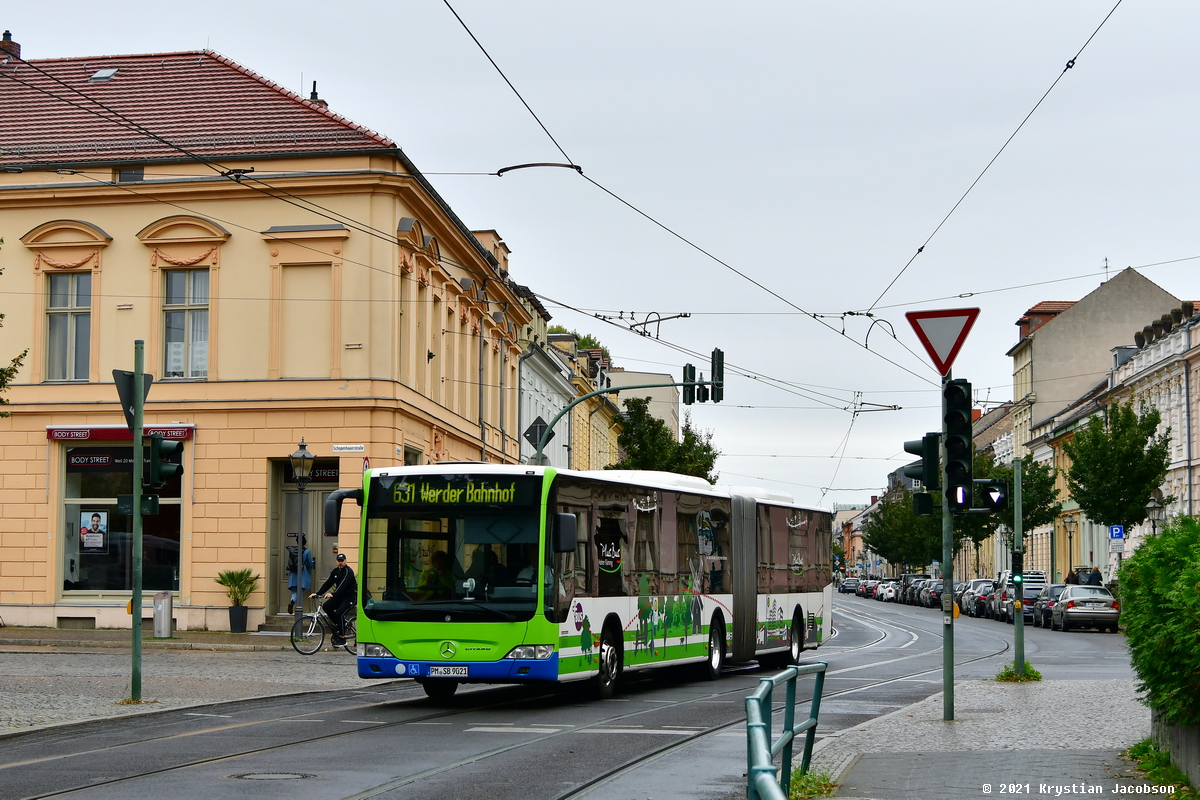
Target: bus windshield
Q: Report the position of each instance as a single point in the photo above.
(452, 548)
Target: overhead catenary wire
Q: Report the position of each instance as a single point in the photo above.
(1070, 65)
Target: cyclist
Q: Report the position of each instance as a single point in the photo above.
(341, 599)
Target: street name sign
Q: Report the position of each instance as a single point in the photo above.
(942, 333)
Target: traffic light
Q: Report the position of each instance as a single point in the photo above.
(702, 390)
(927, 471)
(1018, 567)
(956, 404)
(718, 375)
(689, 384)
(995, 494)
(161, 468)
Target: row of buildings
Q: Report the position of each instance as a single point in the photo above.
(1127, 341)
(293, 276)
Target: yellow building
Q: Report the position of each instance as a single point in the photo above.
(292, 275)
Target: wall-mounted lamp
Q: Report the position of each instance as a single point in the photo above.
(428, 355)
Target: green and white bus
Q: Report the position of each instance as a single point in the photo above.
(489, 573)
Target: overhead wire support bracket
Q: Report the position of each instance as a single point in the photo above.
(657, 320)
(500, 172)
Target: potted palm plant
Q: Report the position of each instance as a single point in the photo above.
(239, 584)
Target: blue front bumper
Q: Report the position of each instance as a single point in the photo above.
(503, 671)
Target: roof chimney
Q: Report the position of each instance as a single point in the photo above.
(7, 45)
(314, 99)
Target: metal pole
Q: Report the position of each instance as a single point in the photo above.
(947, 575)
(1018, 547)
(135, 603)
(544, 439)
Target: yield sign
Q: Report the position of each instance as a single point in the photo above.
(943, 333)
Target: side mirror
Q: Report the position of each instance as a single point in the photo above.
(333, 508)
(564, 533)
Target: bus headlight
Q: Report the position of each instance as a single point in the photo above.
(540, 652)
(368, 650)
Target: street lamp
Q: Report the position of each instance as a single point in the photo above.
(1069, 523)
(1157, 512)
(302, 462)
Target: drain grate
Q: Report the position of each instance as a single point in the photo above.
(272, 776)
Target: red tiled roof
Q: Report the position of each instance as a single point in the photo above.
(1051, 307)
(199, 101)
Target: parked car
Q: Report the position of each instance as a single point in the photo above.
(1029, 593)
(913, 598)
(1044, 603)
(907, 580)
(866, 588)
(1006, 592)
(931, 594)
(1085, 607)
(848, 585)
(890, 590)
(970, 597)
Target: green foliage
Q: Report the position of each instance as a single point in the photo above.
(1156, 763)
(647, 443)
(1160, 611)
(811, 784)
(1039, 497)
(239, 584)
(1117, 462)
(900, 536)
(1010, 675)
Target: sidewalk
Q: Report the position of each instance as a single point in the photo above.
(108, 637)
(1028, 740)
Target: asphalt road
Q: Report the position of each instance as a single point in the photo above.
(666, 735)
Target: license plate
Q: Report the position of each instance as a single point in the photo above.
(1095, 605)
(447, 672)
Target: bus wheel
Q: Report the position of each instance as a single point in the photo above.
(716, 649)
(439, 688)
(610, 665)
(798, 632)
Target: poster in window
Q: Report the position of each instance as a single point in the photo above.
(93, 531)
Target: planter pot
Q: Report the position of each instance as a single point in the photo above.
(237, 618)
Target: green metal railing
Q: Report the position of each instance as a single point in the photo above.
(761, 783)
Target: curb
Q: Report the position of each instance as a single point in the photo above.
(156, 644)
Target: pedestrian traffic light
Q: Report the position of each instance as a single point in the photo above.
(689, 384)
(1018, 567)
(956, 406)
(718, 375)
(995, 494)
(162, 469)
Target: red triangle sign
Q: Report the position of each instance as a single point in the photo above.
(943, 333)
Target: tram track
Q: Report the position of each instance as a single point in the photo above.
(521, 697)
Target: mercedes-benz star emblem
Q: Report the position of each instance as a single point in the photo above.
(447, 649)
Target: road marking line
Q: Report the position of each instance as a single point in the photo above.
(195, 714)
(650, 731)
(514, 729)
(363, 721)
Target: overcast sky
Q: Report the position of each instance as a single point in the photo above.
(812, 147)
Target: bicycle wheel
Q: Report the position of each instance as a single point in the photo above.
(351, 629)
(308, 634)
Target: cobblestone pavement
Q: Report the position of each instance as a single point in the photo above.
(994, 716)
(53, 685)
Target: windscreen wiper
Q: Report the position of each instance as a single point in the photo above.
(480, 606)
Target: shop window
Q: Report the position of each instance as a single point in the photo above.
(69, 317)
(185, 315)
(98, 540)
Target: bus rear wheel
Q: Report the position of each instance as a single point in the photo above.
(439, 688)
(716, 649)
(610, 665)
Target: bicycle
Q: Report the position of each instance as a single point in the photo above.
(308, 633)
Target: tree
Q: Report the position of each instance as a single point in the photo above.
(1117, 461)
(7, 374)
(647, 443)
(897, 534)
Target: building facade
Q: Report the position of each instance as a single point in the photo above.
(292, 276)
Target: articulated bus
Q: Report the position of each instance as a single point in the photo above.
(488, 573)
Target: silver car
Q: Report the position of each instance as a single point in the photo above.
(1085, 607)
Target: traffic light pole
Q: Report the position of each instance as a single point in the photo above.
(1018, 547)
(947, 575)
(135, 604)
(544, 439)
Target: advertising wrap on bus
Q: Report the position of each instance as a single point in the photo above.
(500, 573)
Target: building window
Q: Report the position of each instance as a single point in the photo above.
(185, 312)
(98, 542)
(69, 315)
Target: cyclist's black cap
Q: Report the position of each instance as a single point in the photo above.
(341, 557)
